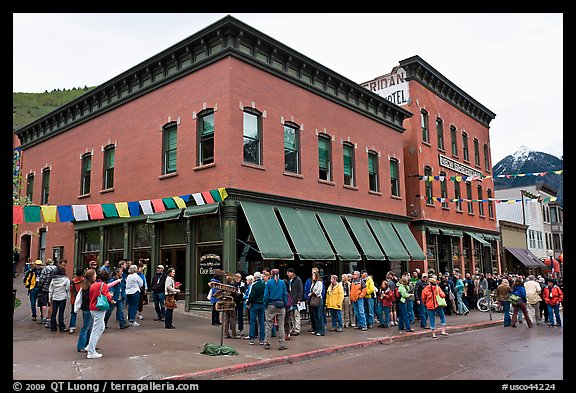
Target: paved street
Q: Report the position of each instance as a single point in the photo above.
(151, 352)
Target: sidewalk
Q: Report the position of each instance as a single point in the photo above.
(151, 352)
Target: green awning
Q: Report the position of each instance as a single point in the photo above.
(389, 240)
(365, 238)
(409, 241)
(267, 231)
(457, 233)
(306, 234)
(447, 232)
(340, 237)
(433, 230)
(172, 214)
(200, 210)
(490, 237)
(478, 238)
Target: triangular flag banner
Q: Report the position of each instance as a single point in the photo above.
(95, 212)
(186, 197)
(158, 205)
(134, 208)
(207, 197)
(122, 208)
(17, 214)
(169, 202)
(65, 213)
(109, 210)
(80, 212)
(223, 193)
(179, 202)
(48, 213)
(198, 199)
(146, 206)
(32, 214)
(216, 195)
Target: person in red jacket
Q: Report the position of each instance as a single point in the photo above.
(100, 286)
(553, 296)
(429, 299)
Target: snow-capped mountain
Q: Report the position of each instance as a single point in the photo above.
(527, 161)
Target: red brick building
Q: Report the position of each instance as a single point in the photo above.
(447, 138)
(259, 156)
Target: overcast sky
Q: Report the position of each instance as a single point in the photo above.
(512, 63)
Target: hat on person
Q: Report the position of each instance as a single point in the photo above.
(425, 275)
(38, 262)
(290, 270)
(417, 270)
(540, 279)
(363, 271)
(160, 267)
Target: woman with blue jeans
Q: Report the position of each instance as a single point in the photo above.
(503, 294)
(429, 299)
(385, 300)
(83, 303)
(403, 317)
(459, 286)
(133, 285)
(99, 287)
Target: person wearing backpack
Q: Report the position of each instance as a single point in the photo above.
(31, 283)
(43, 282)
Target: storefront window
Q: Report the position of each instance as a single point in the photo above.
(173, 252)
(208, 260)
(209, 229)
(115, 239)
(90, 246)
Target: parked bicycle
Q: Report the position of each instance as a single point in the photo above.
(495, 305)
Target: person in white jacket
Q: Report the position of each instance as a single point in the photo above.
(58, 295)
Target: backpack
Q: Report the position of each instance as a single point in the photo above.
(30, 280)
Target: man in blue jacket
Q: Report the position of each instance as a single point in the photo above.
(275, 300)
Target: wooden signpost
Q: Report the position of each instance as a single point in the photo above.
(226, 302)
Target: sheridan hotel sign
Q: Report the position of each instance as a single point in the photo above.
(392, 86)
(457, 167)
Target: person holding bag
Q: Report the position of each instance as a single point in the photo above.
(171, 289)
(98, 288)
(430, 295)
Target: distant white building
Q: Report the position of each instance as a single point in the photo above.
(543, 218)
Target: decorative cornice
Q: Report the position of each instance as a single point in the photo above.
(226, 37)
(422, 72)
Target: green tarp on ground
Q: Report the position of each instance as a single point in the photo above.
(218, 350)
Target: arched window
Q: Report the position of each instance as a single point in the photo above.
(349, 164)
(324, 157)
(169, 143)
(86, 174)
(252, 127)
(205, 137)
(394, 177)
(291, 147)
(428, 185)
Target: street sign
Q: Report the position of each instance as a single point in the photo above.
(225, 306)
(224, 287)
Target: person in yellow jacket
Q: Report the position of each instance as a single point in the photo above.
(334, 300)
(369, 299)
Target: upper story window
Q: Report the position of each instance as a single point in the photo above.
(469, 197)
(349, 175)
(476, 153)
(480, 203)
(252, 136)
(30, 186)
(486, 158)
(424, 124)
(454, 140)
(465, 152)
(45, 186)
(108, 178)
(291, 148)
(169, 145)
(428, 185)
(42, 244)
(373, 174)
(205, 137)
(554, 215)
(444, 190)
(394, 177)
(440, 133)
(86, 174)
(490, 204)
(324, 157)
(457, 196)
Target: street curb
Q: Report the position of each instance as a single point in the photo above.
(301, 357)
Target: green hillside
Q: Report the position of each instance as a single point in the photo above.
(27, 107)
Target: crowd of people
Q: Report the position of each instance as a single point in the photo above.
(273, 306)
(97, 293)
